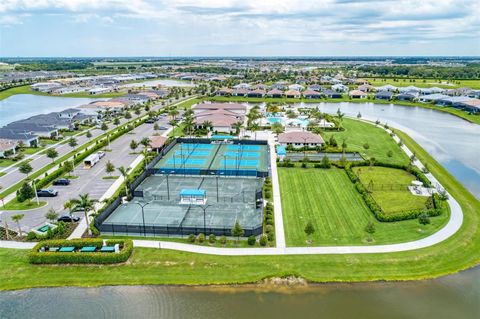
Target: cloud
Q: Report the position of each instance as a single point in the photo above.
(224, 23)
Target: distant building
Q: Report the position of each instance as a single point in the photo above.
(357, 94)
(299, 139)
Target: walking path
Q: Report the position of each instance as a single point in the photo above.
(453, 225)
(277, 203)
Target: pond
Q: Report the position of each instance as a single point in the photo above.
(452, 141)
(21, 106)
(455, 296)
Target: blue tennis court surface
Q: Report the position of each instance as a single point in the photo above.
(192, 153)
(241, 163)
(242, 154)
(191, 146)
(237, 147)
(188, 161)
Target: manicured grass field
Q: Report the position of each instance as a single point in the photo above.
(389, 188)
(330, 201)
(380, 143)
(26, 205)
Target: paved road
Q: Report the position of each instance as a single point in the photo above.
(89, 180)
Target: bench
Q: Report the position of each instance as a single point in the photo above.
(88, 249)
(67, 249)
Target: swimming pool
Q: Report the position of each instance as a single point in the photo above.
(303, 122)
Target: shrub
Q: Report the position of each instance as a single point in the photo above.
(37, 257)
(201, 238)
(212, 239)
(251, 240)
(271, 236)
(269, 229)
(223, 240)
(263, 240)
(191, 238)
(269, 221)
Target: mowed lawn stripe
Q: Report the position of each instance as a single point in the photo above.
(330, 201)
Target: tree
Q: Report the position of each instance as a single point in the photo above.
(370, 230)
(237, 230)
(277, 128)
(332, 141)
(72, 142)
(124, 173)
(237, 126)
(89, 134)
(116, 121)
(424, 219)
(51, 215)
(84, 203)
(70, 206)
(17, 218)
(359, 115)
(326, 162)
(133, 145)
(68, 166)
(156, 127)
(145, 142)
(104, 126)
(25, 192)
(109, 168)
(128, 115)
(25, 168)
(254, 128)
(52, 154)
(309, 229)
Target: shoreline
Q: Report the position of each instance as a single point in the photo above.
(162, 266)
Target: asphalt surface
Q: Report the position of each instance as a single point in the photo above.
(89, 180)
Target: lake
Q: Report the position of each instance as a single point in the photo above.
(21, 106)
(455, 296)
(454, 142)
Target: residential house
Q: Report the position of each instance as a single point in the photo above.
(240, 92)
(407, 96)
(366, 88)
(384, 95)
(224, 92)
(388, 88)
(339, 88)
(409, 89)
(244, 86)
(431, 98)
(28, 139)
(292, 94)
(311, 94)
(296, 87)
(453, 100)
(7, 147)
(275, 93)
(316, 87)
(299, 139)
(357, 94)
(472, 106)
(256, 93)
(233, 107)
(332, 94)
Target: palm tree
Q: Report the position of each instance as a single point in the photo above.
(173, 113)
(124, 173)
(188, 124)
(237, 126)
(145, 142)
(208, 125)
(254, 128)
(84, 203)
(17, 218)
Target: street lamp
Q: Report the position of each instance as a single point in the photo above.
(304, 147)
(204, 208)
(143, 215)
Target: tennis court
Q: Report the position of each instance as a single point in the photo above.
(229, 159)
(228, 199)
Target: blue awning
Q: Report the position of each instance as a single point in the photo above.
(222, 137)
(192, 192)
(281, 150)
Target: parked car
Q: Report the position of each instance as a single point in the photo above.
(47, 193)
(151, 120)
(101, 154)
(163, 128)
(61, 182)
(68, 219)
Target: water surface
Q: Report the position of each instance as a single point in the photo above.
(455, 296)
(167, 83)
(21, 106)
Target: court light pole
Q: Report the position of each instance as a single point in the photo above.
(143, 215)
(204, 208)
(304, 147)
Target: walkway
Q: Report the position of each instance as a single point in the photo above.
(453, 225)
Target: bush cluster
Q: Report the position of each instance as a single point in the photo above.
(59, 231)
(434, 208)
(37, 257)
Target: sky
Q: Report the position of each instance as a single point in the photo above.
(76, 28)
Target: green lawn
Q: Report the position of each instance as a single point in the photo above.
(357, 133)
(25, 89)
(388, 188)
(4, 162)
(160, 266)
(16, 205)
(425, 83)
(330, 201)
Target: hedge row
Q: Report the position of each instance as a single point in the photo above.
(380, 215)
(37, 257)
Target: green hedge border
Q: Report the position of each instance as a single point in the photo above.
(37, 257)
(377, 211)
